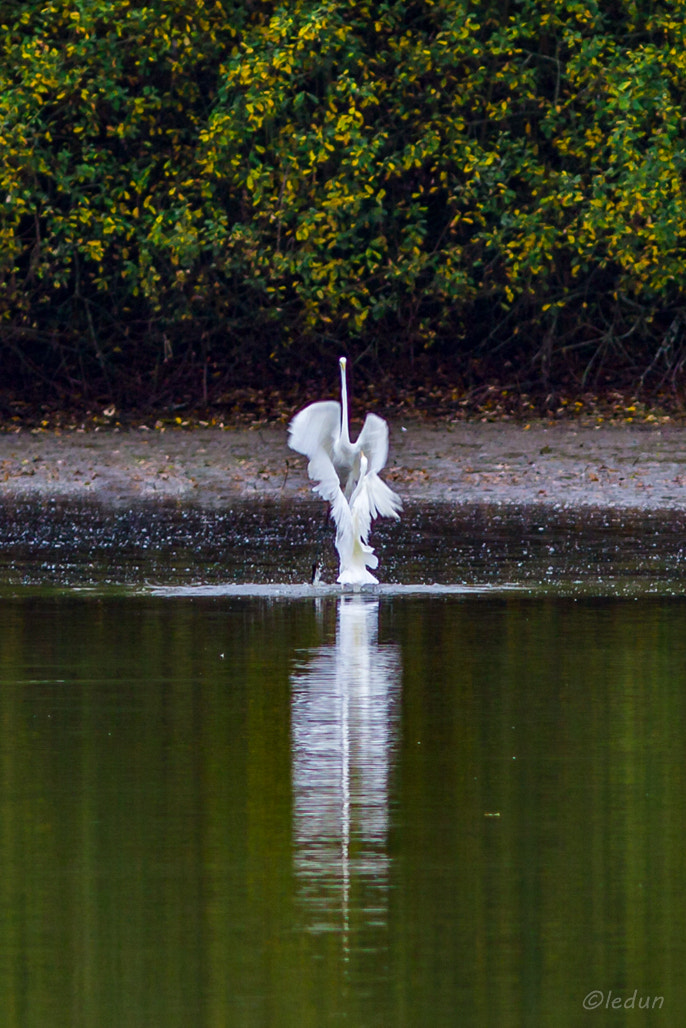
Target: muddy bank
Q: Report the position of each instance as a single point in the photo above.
(561, 464)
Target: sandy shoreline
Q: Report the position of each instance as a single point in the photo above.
(561, 464)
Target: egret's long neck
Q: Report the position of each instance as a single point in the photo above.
(345, 430)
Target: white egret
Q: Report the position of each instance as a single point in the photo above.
(346, 475)
(322, 428)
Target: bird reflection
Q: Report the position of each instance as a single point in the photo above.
(344, 731)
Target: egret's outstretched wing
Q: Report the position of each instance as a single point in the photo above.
(315, 427)
(323, 474)
(382, 501)
(313, 431)
(373, 439)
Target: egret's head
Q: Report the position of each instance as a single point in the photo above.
(342, 361)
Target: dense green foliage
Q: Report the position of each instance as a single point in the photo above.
(191, 188)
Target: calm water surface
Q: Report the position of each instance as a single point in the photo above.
(397, 811)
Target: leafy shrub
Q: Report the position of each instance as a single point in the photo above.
(189, 189)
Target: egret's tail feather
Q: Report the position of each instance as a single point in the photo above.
(353, 576)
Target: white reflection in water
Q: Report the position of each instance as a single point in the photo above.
(344, 731)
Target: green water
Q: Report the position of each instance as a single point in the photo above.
(406, 812)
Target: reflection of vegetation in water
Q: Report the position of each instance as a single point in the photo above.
(147, 810)
(565, 718)
(148, 765)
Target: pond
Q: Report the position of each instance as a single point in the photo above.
(368, 809)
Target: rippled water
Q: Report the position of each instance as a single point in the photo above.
(588, 551)
(311, 809)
